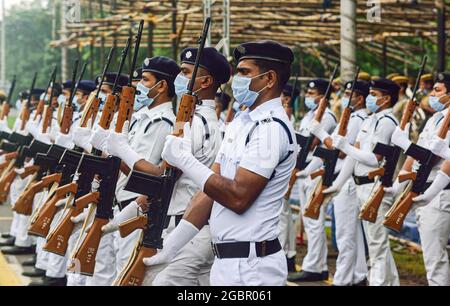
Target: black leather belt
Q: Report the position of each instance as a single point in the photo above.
(242, 249)
(169, 218)
(362, 180)
(428, 184)
(124, 204)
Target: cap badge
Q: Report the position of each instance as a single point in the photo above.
(188, 54)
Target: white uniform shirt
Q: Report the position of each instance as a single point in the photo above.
(147, 139)
(204, 151)
(268, 145)
(376, 128)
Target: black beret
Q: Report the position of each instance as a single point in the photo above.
(161, 65)
(287, 90)
(110, 78)
(361, 87)
(264, 49)
(37, 92)
(223, 97)
(320, 84)
(67, 85)
(212, 60)
(385, 85)
(137, 74)
(87, 86)
(443, 77)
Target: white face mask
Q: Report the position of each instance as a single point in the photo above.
(142, 99)
(181, 84)
(242, 92)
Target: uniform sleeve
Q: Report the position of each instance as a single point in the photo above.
(151, 143)
(384, 130)
(268, 144)
(328, 123)
(353, 128)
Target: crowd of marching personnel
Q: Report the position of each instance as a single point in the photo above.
(229, 221)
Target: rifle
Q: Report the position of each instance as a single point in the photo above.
(330, 157)
(159, 189)
(66, 121)
(391, 154)
(397, 213)
(25, 112)
(48, 110)
(41, 104)
(6, 104)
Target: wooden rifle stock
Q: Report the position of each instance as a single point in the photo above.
(134, 272)
(39, 109)
(91, 110)
(398, 213)
(313, 209)
(126, 107)
(129, 226)
(410, 176)
(369, 211)
(47, 120)
(11, 156)
(40, 225)
(5, 110)
(58, 239)
(24, 204)
(29, 171)
(66, 121)
(24, 117)
(291, 184)
(108, 111)
(317, 173)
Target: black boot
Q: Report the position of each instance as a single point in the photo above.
(50, 281)
(305, 276)
(362, 283)
(16, 250)
(30, 263)
(34, 273)
(291, 264)
(7, 242)
(6, 235)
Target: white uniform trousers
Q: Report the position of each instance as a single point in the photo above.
(19, 221)
(74, 279)
(351, 266)
(433, 221)
(252, 271)
(192, 265)
(383, 271)
(287, 230)
(41, 255)
(316, 256)
(57, 265)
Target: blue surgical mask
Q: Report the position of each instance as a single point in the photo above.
(241, 90)
(345, 102)
(436, 104)
(371, 103)
(310, 103)
(142, 99)
(102, 98)
(181, 85)
(75, 103)
(61, 99)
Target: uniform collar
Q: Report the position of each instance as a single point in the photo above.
(383, 112)
(361, 111)
(208, 103)
(150, 113)
(263, 111)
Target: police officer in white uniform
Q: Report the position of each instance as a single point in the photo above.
(378, 127)
(243, 192)
(432, 212)
(314, 266)
(351, 267)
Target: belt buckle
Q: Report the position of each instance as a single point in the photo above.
(263, 248)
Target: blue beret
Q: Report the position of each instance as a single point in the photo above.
(287, 90)
(385, 85)
(161, 65)
(37, 92)
(67, 85)
(264, 49)
(212, 60)
(137, 74)
(87, 86)
(110, 78)
(361, 87)
(319, 84)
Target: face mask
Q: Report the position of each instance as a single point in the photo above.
(61, 100)
(75, 103)
(371, 103)
(310, 103)
(436, 104)
(142, 99)
(181, 85)
(102, 97)
(345, 102)
(241, 90)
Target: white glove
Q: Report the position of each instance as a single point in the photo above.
(64, 140)
(45, 138)
(79, 218)
(132, 210)
(61, 202)
(440, 182)
(315, 164)
(343, 176)
(177, 152)
(180, 236)
(99, 137)
(81, 137)
(367, 158)
(316, 129)
(118, 145)
(401, 137)
(440, 147)
(397, 187)
(19, 171)
(32, 126)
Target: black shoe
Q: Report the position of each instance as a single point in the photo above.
(7, 242)
(15, 250)
(324, 275)
(6, 235)
(305, 276)
(49, 281)
(34, 273)
(291, 264)
(29, 263)
(362, 283)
